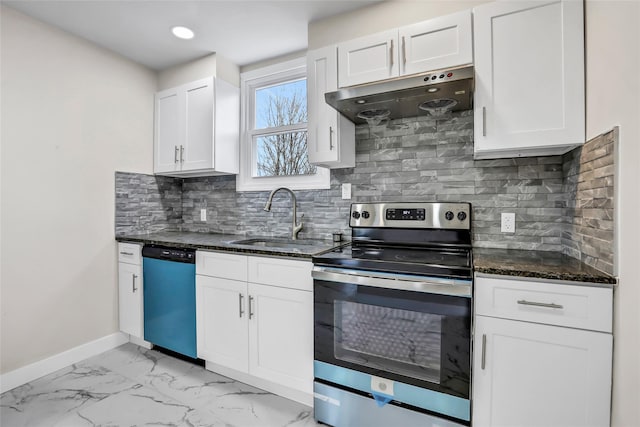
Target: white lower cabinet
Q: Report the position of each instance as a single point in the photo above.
(130, 313)
(221, 322)
(530, 374)
(280, 335)
(264, 330)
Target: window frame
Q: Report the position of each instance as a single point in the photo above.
(283, 72)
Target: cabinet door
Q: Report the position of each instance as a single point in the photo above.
(168, 133)
(529, 63)
(330, 137)
(438, 43)
(197, 150)
(221, 312)
(130, 299)
(281, 336)
(526, 374)
(368, 59)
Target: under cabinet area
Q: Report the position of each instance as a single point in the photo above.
(255, 320)
(441, 42)
(331, 136)
(130, 314)
(542, 353)
(196, 131)
(529, 85)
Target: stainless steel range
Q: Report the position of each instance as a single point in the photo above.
(392, 318)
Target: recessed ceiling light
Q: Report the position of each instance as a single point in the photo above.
(182, 33)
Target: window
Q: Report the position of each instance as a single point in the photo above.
(273, 147)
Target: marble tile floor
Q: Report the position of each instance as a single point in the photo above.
(133, 386)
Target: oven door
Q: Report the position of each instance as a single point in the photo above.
(411, 331)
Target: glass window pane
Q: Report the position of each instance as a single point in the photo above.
(401, 341)
(282, 104)
(283, 154)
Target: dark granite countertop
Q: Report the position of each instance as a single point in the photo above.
(224, 242)
(537, 264)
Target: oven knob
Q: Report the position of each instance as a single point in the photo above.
(365, 214)
(448, 215)
(355, 215)
(462, 216)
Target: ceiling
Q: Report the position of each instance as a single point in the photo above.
(244, 32)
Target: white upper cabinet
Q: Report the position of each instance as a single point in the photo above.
(438, 43)
(529, 64)
(330, 137)
(197, 129)
(368, 59)
(430, 45)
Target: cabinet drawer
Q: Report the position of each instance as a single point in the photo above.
(286, 273)
(223, 265)
(129, 253)
(583, 307)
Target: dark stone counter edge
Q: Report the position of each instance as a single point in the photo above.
(514, 272)
(548, 275)
(224, 247)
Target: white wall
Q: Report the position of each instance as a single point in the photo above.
(210, 65)
(613, 98)
(72, 114)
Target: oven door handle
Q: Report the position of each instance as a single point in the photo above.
(427, 285)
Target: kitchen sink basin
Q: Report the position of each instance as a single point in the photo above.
(278, 243)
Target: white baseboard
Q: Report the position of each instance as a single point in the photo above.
(51, 364)
(140, 342)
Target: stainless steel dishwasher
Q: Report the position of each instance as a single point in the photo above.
(170, 298)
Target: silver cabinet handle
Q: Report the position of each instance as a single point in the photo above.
(391, 53)
(330, 138)
(404, 52)
(250, 306)
(133, 282)
(540, 304)
(175, 154)
(126, 253)
(484, 351)
(181, 154)
(241, 311)
(484, 121)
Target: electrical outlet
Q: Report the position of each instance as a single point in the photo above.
(346, 191)
(508, 223)
(203, 214)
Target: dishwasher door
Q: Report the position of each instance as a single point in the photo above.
(170, 300)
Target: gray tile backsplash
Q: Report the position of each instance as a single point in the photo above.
(589, 187)
(147, 203)
(424, 159)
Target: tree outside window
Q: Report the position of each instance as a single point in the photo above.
(281, 112)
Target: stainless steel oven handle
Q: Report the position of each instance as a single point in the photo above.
(435, 286)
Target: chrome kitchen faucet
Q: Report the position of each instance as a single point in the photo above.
(295, 228)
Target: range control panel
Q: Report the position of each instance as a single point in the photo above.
(411, 215)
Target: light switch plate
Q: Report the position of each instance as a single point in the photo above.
(346, 191)
(203, 214)
(508, 223)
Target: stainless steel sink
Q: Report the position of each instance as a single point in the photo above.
(278, 243)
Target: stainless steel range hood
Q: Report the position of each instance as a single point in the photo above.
(430, 93)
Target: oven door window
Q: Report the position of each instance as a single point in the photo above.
(413, 337)
(400, 341)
